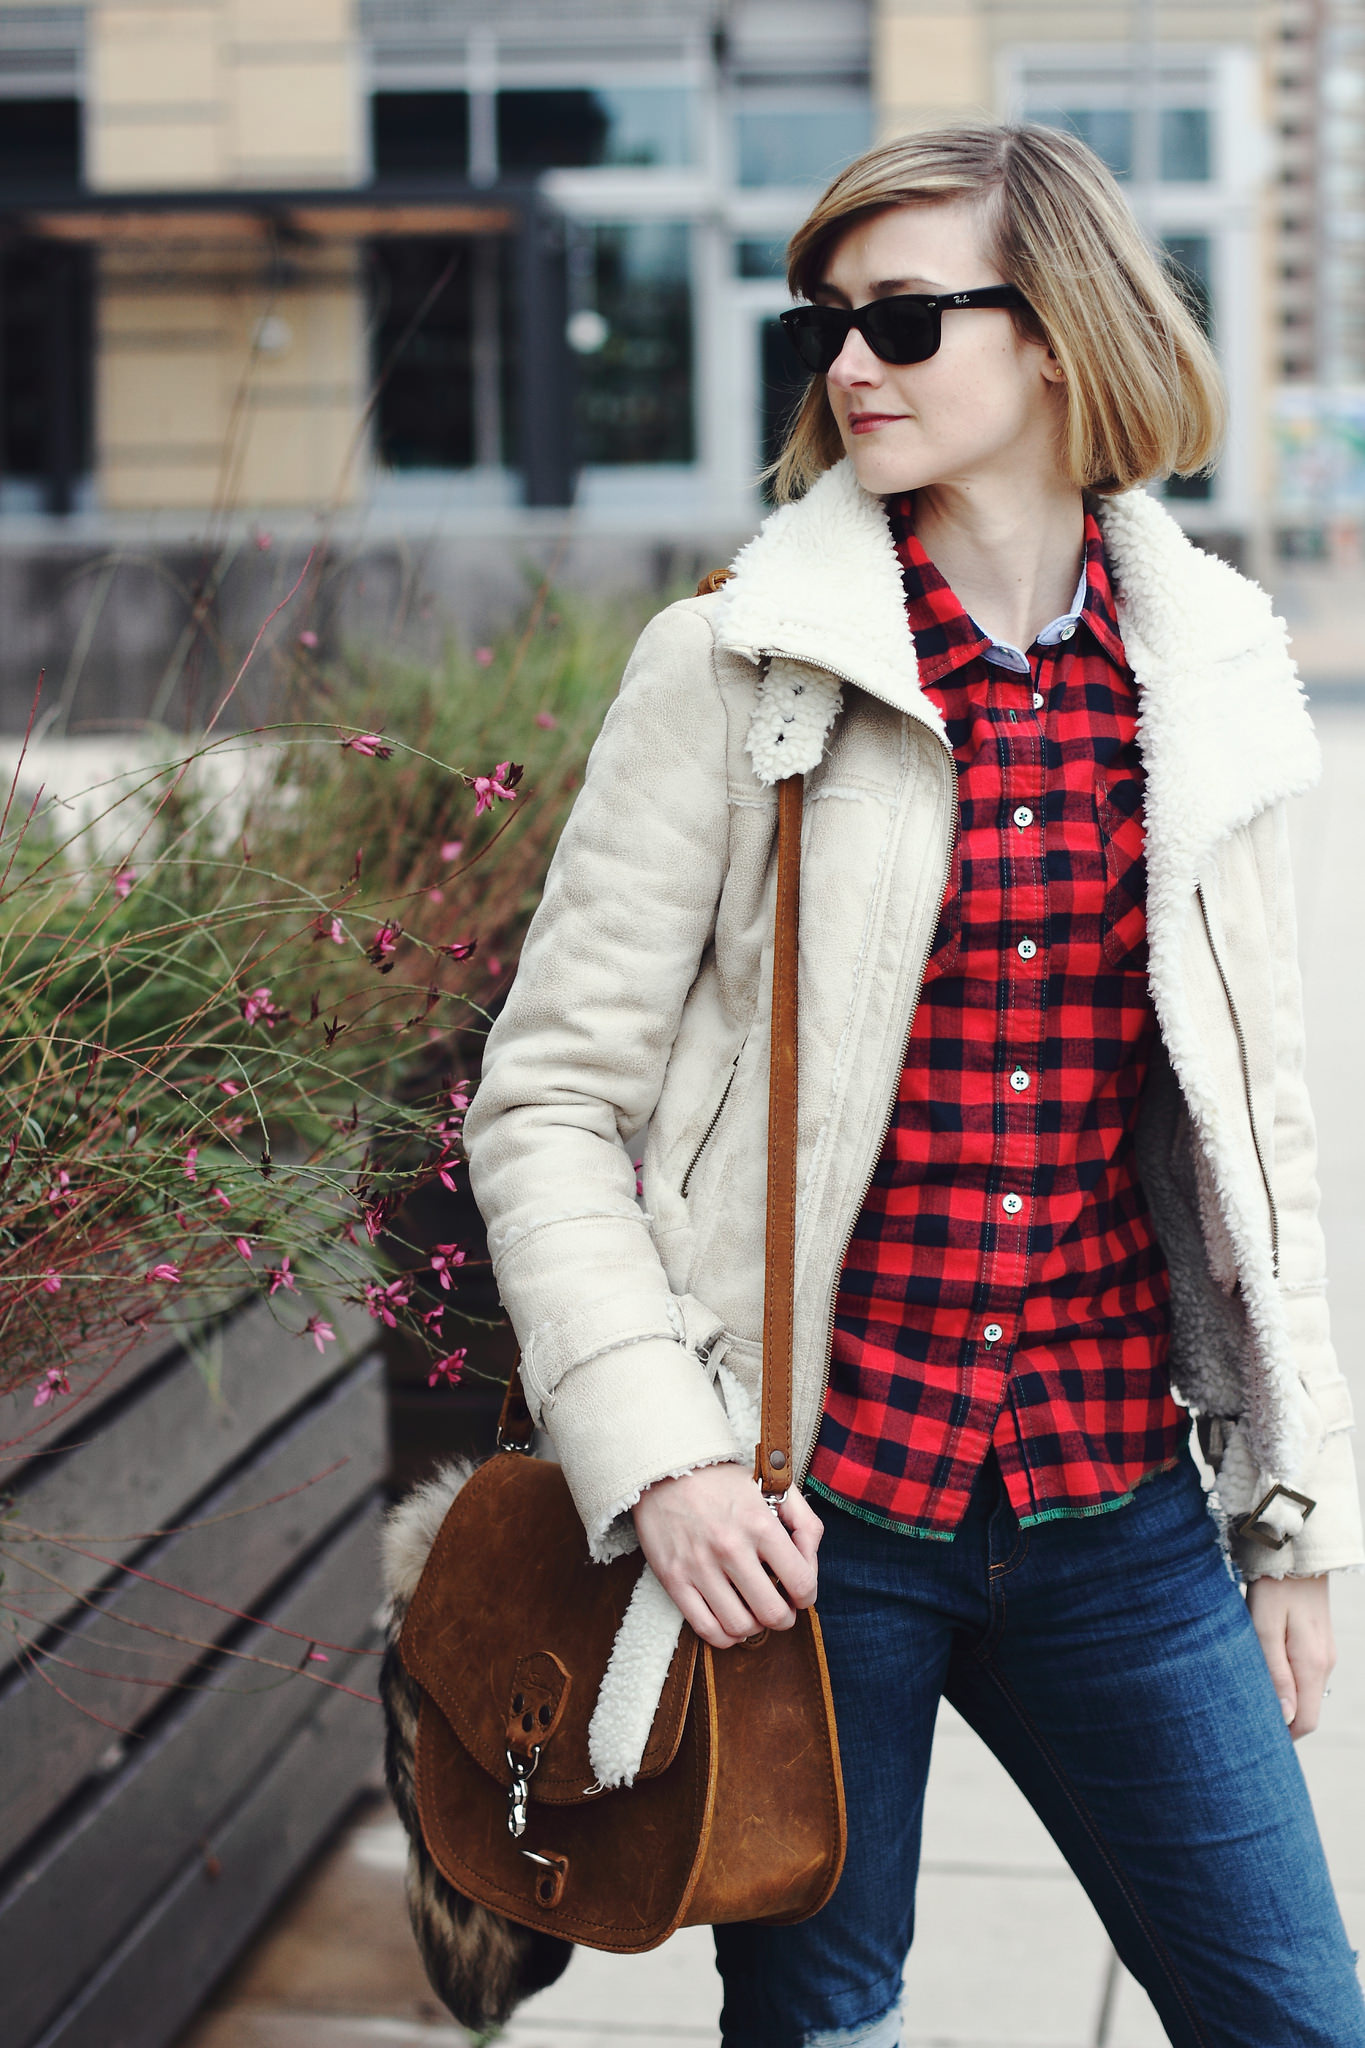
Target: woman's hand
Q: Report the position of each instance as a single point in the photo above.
(1294, 1622)
(712, 1540)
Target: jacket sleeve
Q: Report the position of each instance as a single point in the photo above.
(572, 1071)
(1331, 1536)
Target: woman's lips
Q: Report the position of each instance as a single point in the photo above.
(867, 422)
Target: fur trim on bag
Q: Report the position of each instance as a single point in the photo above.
(479, 1964)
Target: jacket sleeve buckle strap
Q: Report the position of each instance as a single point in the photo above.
(1251, 1525)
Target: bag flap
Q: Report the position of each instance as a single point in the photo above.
(512, 1623)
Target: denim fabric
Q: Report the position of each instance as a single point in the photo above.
(1111, 1665)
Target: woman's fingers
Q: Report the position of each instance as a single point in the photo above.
(728, 1563)
(1293, 1622)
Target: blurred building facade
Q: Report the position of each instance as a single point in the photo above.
(436, 258)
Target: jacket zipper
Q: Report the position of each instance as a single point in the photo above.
(706, 1134)
(886, 1125)
(1246, 1082)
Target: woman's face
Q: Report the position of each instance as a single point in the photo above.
(988, 404)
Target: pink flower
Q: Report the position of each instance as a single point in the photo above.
(123, 882)
(445, 1174)
(459, 1096)
(374, 1218)
(546, 720)
(337, 934)
(435, 896)
(217, 1195)
(243, 1247)
(308, 638)
(382, 1301)
(321, 1333)
(230, 1087)
(384, 945)
(191, 1165)
(232, 1126)
(54, 1381)
(449, 1369)
(57, 1194)
(280, 1276)
(165, 1271)
(257, 1008)
(639, 1165)
(264, 542)
(500, 786)
(445, 1258)
(462, 949)
(318, 1657)
(369, 743)
(494, 965)
(451, 849)
(432, 1318)
(484, 656)
(51, 1282)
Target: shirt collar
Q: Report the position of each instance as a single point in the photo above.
(946, 635)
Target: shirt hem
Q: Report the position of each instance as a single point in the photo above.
(866, 1514)
(1100, 1507)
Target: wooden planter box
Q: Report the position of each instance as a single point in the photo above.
(134, 1865)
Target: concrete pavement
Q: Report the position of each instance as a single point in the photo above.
(1009, 1953)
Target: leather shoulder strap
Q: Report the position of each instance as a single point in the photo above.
(773, 1459)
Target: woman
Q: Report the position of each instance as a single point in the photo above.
(1056, 1158)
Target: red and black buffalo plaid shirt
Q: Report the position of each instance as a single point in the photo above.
(1004, 1286)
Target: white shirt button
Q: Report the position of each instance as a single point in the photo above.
(1026, 949)
(1023, 817)
(992, 1333)
(1067, 632)
(1011, 1204)
(1018, 1080)
(1037, 700)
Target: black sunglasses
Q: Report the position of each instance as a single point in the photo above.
(904, 329)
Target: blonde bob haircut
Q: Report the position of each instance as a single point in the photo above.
(1145, 396)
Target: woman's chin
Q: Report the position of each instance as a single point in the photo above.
(883, 469)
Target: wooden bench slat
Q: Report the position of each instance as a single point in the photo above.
(50, 1746)
(135, 1830)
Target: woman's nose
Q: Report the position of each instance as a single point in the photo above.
(855, 363)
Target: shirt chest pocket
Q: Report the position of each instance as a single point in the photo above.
(1123, 840)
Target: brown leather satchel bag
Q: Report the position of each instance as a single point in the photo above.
(495, 1662)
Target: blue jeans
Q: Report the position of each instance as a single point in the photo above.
(1111, 1665)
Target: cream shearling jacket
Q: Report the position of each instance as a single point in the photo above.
(637, 1026)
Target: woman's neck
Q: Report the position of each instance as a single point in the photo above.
(1011, 557)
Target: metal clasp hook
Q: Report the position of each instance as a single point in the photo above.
(518, 1795)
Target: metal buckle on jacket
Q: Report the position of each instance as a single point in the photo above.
(1271, 1538)
(518, 1794)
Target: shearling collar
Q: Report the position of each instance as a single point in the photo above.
(1223, 724)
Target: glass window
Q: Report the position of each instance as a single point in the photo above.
(635, 386)
(643, 125)
(1186, 145)
(424, 416)
(1189, 259)
(1106, 130)
(46, 363)
(799, 146)
(782, 386)
(40, 140)
(413, 132)
(761, 256)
